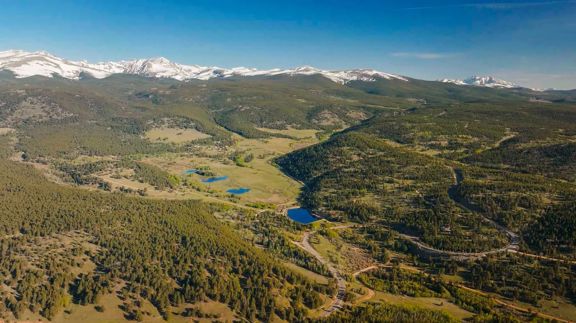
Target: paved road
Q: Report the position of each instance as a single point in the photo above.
(514, 239)
(338, 299)
(513, 244)
(512, 247)
(455, 196)
(423, 246)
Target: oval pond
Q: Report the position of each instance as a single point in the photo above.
(214, 179)
(238, 191)
(301, 215)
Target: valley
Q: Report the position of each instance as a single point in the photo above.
(288, 161)
(163, 200)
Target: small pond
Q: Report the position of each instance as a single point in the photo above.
(214, 179)
(190, 171)
(301, 215)
(238, 191)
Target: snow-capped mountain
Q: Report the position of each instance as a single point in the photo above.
(485, 81)
(26, 64)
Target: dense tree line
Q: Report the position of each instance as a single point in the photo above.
(152, 175)
(173, 252)
(53, 139)
(554, 233)
(523, 278)
(397, 281)
(376, 313)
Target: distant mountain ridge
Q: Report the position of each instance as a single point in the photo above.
(41, 63)
(485, 81)
(25, 64)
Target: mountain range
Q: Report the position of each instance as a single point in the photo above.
(25, 64)
(485, 81)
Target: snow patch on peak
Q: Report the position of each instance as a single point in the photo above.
(25, 64)
(484, 81)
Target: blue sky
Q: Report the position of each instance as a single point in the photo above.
(532, 43)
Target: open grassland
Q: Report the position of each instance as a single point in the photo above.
(292, 132)
(300, 138)
(174, 135)
(109, 310)
(433, 303)
(265, 181)
(5, 131)
(307, 273)
(247, 164)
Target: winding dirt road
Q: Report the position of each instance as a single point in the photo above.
(370, 292)
(365, 270)
(515, 307)
(531, 255)
(338, 298)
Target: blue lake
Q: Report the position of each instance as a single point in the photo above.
(301, 215)
(214, 179)
(190, 171)
(238, 191)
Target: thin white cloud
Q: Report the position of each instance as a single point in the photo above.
(496, 5)
(427, 56)
(541, 80)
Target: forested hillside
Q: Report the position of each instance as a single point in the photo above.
(456, 181)
(169, 253)
(400, 168)
(369, 180)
